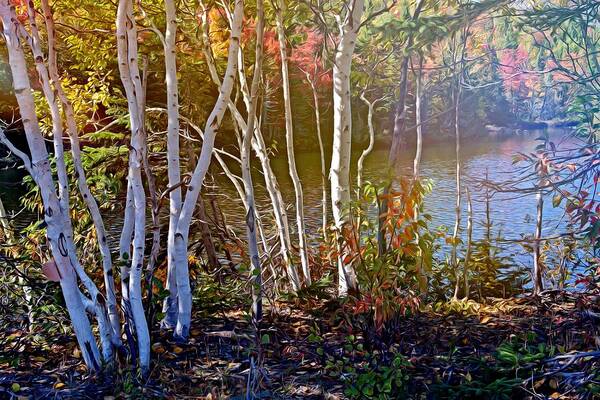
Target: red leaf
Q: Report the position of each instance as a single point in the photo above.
(50, 270)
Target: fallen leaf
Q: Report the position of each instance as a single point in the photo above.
(158, 348)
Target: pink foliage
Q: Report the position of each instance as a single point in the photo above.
(513, 63)
(307, 57)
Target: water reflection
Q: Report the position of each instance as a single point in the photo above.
(513, 215)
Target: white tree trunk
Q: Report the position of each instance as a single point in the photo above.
(369, 149)
(261, 151)
(342, 132)
(421, 274)
(289, 139)
(419, 149)
(88, 198)
(321, 151)
(538, 282)
(130, 77)
(255, 268)
(57, 219)
(469, 241)
(193, 191)
(173, 164)
(98, 302)
(458, 191)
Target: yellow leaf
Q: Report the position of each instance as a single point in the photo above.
(15, 387)
(468, 377)
(59, 385)
(158, 348)
(485, 319)
(76, 353)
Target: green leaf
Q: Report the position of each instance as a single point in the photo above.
(556, 200)
(265, 339)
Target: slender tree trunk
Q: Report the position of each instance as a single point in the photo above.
(418, 121)
(173, 164)
(458, 190)
(342, 135)
(321, 151)
(132, 82)
(398, 140)
(261, 151)
(421, 274)
(457, 98)
(57, 219)
(538, 282)
(193, 191)
(397, 137)
(369, 149)
(154, 202)
(469, 242)
(255, 266)
(289, 139)
(88, 198)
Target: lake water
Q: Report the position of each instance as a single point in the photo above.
(514, 215)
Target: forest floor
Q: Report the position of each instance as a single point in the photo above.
(508, 349)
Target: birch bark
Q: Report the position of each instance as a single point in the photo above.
(369, 149)
(173, 164)
(538, 282)
(255, 270)
(454, 255)
(315, 94)
(260, 148)
(57, 220)
(98, 303)
(418, 120)
(88, 198)
(213, 123)
(342, 132)
(289, 140)
(130, 77)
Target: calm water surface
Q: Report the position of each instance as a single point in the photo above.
(513, 215)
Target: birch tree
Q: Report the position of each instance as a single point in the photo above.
(255, 268)
(312, 81)
(398, 140)
(127, 54)
(458, 62)
(418, 121)
(173, 164)
(454, 254)
(88, 198)
(348, 25)
(181, 235)
(538, 282)
(261, 151)
(371, 108)
(58, 223)
(289, 139)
